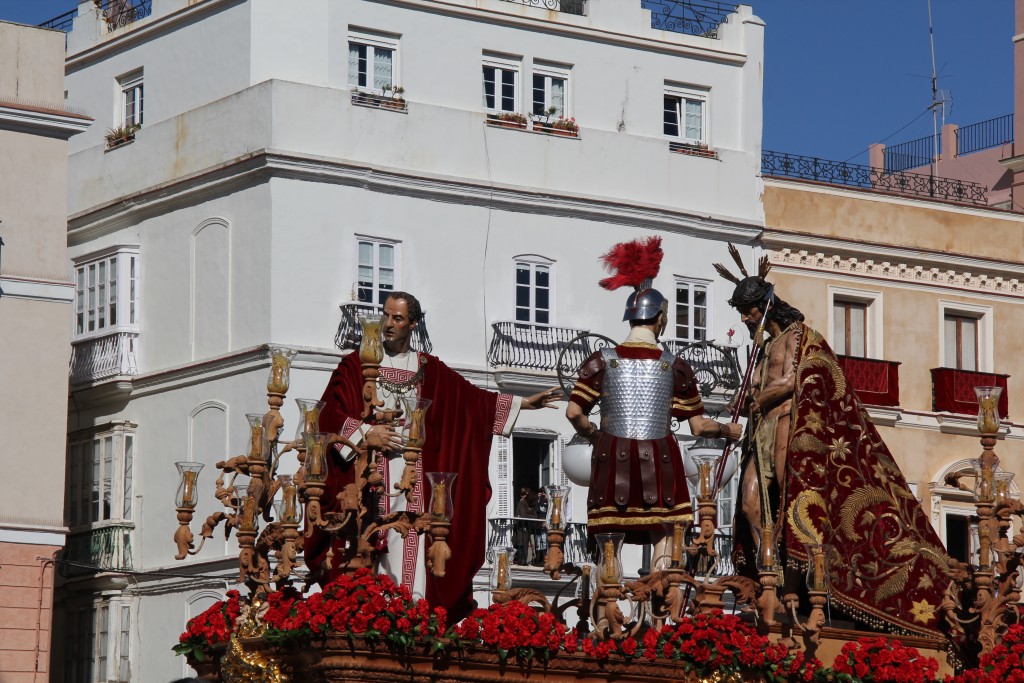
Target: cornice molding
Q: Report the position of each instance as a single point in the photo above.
(33, 289)
(36, 121)
(997, 279)
(260, 166)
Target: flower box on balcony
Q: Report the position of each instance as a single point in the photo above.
(566, 127)
(877, 382)
(953, 390)
(692, 150)
(377, 101)
(507, 120)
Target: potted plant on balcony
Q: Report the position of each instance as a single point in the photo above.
(121, 134)
(547, 123)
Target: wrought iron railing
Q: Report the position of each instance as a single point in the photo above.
(62, 22)
(578, 7)
(912, 154)
(693, 17)
(350, 333)
(97, 550)
(717, 368)
(121, 13)
(535, 347)
(985, 134)
(529, 538)
(104, 357)
(856, 175)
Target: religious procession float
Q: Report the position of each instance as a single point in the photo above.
(849, 537)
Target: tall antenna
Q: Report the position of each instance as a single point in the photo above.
(935, 101)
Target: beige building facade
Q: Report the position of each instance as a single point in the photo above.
(36, 297)
(923, 299)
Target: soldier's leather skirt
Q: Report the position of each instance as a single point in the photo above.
(636, 486)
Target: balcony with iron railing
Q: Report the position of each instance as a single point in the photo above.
(953, 390)
(104, 548)
(531, 346)
(877, 382)
(715, 366)
(781, 165)
(95, 359)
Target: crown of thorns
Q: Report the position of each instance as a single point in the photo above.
(752, 290)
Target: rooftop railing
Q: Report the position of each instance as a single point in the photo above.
(842, 173)
(693, 17)
(116, 13)
(578, 7)
(912, 154)
(985, 134)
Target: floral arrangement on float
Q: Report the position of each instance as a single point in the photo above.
(370, 612)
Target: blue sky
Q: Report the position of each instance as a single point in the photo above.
(842, 74)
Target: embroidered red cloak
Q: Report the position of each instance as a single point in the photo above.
(459, 425)
(842, 487)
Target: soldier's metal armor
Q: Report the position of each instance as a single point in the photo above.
(636, 396)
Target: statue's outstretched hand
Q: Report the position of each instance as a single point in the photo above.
(544, 399)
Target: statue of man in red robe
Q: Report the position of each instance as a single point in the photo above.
(460, 423)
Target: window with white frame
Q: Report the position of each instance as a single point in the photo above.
(106, 292)
(534, 284)
(100, 474)
(855, 319)
(377, 269)
(501, 84)
(131, 87)
(692, 309)
(550, 91)
(685, 117)
(97, 647)
(966, 336)
(372, 61)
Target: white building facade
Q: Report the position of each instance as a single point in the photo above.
(263, 175)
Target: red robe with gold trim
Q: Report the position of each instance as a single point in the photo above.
(842, 488)
(459, 425)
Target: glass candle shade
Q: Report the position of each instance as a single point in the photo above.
(371, 347)
(309, 417)
(817, 577)
(609, 560)
(441, 506)
(675, 547)
(280, 370)
(501, 567)
(316, 457)
(557, 498)
(984, 481)
(289, 500)
(414, 425)
(187, 495)
(706, 462)
(988, 409)
(1003, 481)
(257, 436)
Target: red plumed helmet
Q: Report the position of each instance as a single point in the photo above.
(632, 263)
